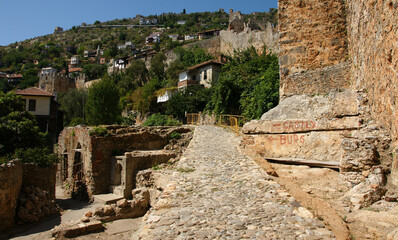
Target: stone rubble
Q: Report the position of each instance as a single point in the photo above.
(34, 204)
(217, 193)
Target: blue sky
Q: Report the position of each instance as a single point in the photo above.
(23, 19)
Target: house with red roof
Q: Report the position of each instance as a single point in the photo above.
(43, 105)
(205, 74)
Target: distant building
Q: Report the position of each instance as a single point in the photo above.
(14, 79)
(165, 94)
(43, 105)
(102, 61)
(74, 60)
(48, 70)
(153, 38)
(174, 37)
(181, 22)
(205, 74)
(189, 37)
(208, 34)
(58, 30)
(144, 21)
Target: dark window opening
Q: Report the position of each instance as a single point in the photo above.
(32, 105)
(205, 75)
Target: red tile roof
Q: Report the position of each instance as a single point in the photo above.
(34, 91)
(15, 76)
(205, 63)
(71, 70)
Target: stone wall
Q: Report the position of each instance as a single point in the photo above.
(312, 38)
(19, 182)
(56, 82)
(231, 41)
(373, 36)
(75, 145)
(11, 182)
(42, 177)
(211, 45)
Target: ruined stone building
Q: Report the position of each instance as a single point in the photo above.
(50, 80)
(108, 164)
(338, 68)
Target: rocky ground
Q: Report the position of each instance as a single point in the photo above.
(215, 192)
(376, 221)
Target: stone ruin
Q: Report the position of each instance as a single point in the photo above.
(116, 164)
(27, 193)
(330, 110)
(92, 165)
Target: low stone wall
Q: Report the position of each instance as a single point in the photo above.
(25, 186)
(11, 182)
(42, 177)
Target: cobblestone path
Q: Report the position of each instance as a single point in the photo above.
(218, 193)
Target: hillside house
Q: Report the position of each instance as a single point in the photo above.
(42, 104)
(74, 60)
(72, 71)
(144, 21)
(205, 74)
(58, 30)
(48, 70)
(181, 22)
(189, 37)
(153, 38)
(209, 34)
(165, 94)
(174, 37)
(14, 79)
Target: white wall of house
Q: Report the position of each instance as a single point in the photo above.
(42, 105)
(183, 76)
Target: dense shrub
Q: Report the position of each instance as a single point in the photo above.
(39, 156)
(160, 120)
(99, 132)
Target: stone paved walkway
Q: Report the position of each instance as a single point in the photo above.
(218, 193)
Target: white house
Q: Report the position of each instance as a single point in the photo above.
(42, 104)
(174, 37)
(74, 60)
(48, 70)
(204, 74)
(189, 37)
(181, 22)
(165, 95)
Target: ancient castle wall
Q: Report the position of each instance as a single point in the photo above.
(231, 41)
(55, 82)
(312, 45)
(373, 37)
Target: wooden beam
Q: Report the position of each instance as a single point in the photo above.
(312, 163)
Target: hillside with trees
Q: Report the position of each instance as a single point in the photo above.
(248, 82)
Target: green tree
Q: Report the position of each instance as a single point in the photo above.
(193, 100)
(72, 104)
(112, 51)
(94, 71)
(29, 78)
(157, 69)
(102, 105)
(18, 128)
(248, 85)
